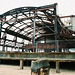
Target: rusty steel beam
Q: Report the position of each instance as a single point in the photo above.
(67, 16)
(20, 19)
(45, 46)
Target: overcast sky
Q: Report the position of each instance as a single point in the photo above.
(65, 7)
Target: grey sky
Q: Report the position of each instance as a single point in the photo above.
(65, 7)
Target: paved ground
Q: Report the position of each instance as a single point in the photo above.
(14, 70)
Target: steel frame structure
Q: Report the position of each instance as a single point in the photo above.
(33, 24)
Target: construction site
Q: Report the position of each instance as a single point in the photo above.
(37, 34)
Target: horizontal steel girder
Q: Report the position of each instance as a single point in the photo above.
(62, 57)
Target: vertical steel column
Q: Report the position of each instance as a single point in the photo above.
(0, 26)
(15, 39)
(3, 46)
(56, 32)
(4, 38)
(21, 64)
(22, 46)
(34, 33)
(6, 49)
(0, 29)
(57, 67)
